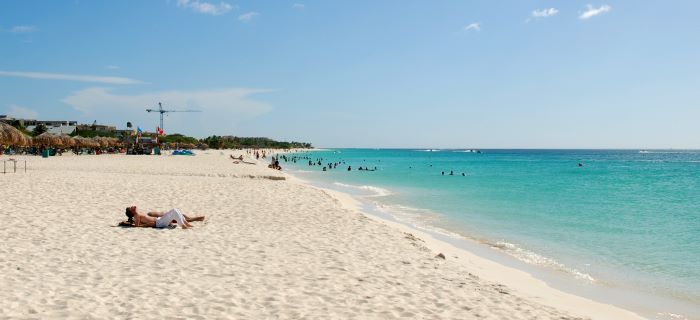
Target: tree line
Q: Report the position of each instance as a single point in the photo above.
(216, 142)
(232, 142)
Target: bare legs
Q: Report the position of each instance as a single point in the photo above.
(191, 219)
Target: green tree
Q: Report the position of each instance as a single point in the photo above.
(39, 129)
(18, 125)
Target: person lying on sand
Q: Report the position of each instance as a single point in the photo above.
(158, 219)
(239, 160)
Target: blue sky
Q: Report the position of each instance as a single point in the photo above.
(460, 74)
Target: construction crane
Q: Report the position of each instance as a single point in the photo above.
(162, 111)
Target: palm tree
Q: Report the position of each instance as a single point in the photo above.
(39, 129)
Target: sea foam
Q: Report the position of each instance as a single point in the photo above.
(376, 191)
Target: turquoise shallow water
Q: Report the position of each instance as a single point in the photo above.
(625, 218)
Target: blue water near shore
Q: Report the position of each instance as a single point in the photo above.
(625, 218)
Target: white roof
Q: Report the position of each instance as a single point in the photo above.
(61, 129)
(55, 130)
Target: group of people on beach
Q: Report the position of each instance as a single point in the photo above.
(328, 165)
(275, 164)
(258, 154)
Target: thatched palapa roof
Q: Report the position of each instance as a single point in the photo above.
(55, 140)
(85, 142)
(11, 136)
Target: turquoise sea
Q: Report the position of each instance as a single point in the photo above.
(624, 225)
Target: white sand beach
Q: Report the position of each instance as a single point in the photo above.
(271, 247)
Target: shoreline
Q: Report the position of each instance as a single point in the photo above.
(524, 282)
(272, 245)
(608, 289)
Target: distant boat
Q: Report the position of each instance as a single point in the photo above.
(643, 151)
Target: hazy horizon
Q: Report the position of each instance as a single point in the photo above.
(366, 74)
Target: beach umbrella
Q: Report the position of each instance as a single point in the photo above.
(112, 142)
(115, 142)
(98, 141)
(24, 140)
(65, 140)
(12, 136)
(47, 139)
(85, 142)
(103, 141)
(91, 143)
(80, 141)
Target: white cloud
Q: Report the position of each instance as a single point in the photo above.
(298, 6)
(206, 7)
(112, 67)
(16, 111)
(69, 77)
(476, 26)
(221, 109)
(248, 16)
(592, 12)
(543, 13)
(23, 29)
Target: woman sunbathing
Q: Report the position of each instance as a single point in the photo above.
(158, 219)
